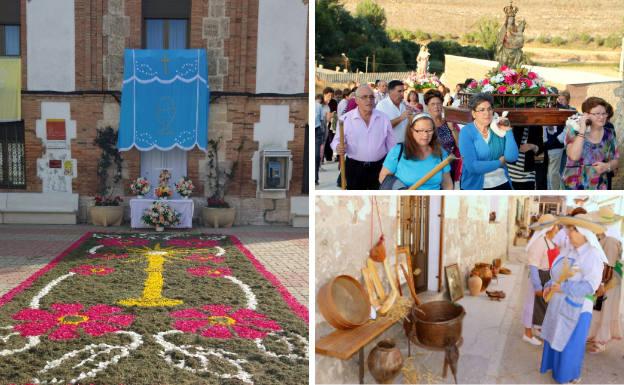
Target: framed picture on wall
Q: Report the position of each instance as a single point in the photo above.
(453, 282)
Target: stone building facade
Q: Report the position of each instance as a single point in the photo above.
(72, 65)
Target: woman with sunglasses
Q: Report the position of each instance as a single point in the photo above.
(416, 156)
(484, 152)
(576, 275)
(591, 150)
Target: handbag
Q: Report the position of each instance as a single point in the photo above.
(391, 182)
(378, 251)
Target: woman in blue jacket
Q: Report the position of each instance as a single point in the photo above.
(483, 151)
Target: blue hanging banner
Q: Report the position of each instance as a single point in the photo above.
(164, 100)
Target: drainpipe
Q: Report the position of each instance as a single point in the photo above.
(441, 244)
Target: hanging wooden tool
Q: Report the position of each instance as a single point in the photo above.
(378, 253)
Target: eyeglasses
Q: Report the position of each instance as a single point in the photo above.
(427, 132)
(489, 109)
(599, 114)
(370, 97)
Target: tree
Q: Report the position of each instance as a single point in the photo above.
(369, 10)
(485, 32)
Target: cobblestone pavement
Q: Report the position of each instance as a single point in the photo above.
(24, 249)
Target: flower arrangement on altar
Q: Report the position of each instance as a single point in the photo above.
(163, 192)
(421, 82)
(184, 186)
(160, 214)
(140, 186)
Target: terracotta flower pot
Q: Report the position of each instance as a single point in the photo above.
(385, 361)
(219, 216)
(474, 285)
(106, 215)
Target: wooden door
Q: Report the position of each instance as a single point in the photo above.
(414, 233)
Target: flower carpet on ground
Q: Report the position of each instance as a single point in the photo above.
(151, 308)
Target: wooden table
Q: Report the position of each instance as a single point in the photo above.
(343, 344)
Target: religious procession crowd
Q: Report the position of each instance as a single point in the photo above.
(574, 291)
(393, 141)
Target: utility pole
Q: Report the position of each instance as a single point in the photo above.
(366, 65)
(374, 66)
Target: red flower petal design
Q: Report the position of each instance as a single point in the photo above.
(92, 270)
(190, 326)
(214, 272)
(64, 332)
(217, 332)
(217, 309)
(193, 242)
(66, 308)
(248, 333)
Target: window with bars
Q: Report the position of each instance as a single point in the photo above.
(12, 155)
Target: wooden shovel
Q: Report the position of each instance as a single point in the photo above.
(372, 270)
(372, 296)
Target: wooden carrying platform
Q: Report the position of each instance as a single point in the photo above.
(343, 344)
(517, 116)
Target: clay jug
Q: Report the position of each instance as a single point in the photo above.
(474, 285)
(484, 272)
(385, 361)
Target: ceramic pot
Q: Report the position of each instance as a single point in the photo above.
(218, 216)
(474, 285)
(106, 215)
(385, 361)
(160, 228)
(484, 272)
(140, 196)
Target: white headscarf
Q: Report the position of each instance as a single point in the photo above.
(536, 236)
(592, 239)
(613, 230)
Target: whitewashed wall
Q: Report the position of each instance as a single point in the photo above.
(50, 31)
(282, 37)
(342, 244)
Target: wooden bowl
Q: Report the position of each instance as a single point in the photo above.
(343, 302)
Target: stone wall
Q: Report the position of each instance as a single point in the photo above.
(469, 237)
(342, 243)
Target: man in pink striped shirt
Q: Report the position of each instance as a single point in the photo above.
(368, 138)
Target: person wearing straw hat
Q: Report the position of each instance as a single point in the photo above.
(541, 251)
(605, 325)
(576, 276)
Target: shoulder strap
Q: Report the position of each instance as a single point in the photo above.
(546, 241)
(400, 153)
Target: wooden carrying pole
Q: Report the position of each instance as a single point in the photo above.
(343, 175)
(434, 171)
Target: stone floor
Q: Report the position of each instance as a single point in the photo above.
(24, 249)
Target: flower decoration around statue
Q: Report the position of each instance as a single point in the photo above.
(184, 186)
(160, 214)
(421, 82)
(140, 186)
(518, 87)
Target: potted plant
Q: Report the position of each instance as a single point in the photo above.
(218, 212)
(107, 210)
(184, 186)
(160, 215)
(140, 187)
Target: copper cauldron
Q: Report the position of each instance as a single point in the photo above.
(439, 326)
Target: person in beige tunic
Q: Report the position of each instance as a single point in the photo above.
(605, 325)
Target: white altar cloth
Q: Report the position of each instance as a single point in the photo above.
(183, 206)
